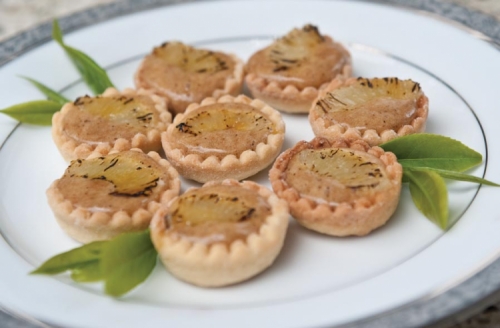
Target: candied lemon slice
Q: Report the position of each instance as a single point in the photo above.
(221, 129)
(336, 174)
(220, 117)
(217, 213)
(226, 204)
(379, 104)
(131, 173)
(127, 110)
(289, 51)
(191, 59)
(364, 91)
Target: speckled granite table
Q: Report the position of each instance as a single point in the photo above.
(19, 15)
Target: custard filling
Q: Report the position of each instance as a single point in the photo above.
(105, 119)
(124, 181)
(301, 58)
(379, 104)
(217, 214)
(222, 129)
(336, 175)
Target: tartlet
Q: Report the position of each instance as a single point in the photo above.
(376, 110)
(341, 188)
(113, 121)
(228, 138)
(289, 73)
(184, 74)
(101, 197)
(220, 234)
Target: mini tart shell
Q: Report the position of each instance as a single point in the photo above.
(238, 167)
(71, 148)
(86, 226)
(289, 98)
(232, 86)
(332, 131)
(358, 217)
(220, 264)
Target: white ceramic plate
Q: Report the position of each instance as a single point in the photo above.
(317, 280)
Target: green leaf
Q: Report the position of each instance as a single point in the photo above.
(454, 175)
(94, 76)
(432, 150)
(38, 112)
(51, 94)
(76, 258)
(428, 191)
(89, 272)
(127, 261)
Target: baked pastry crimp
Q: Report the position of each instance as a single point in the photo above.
(341, 188)
(101, 197)
(113, 121)
(184, 74)
(220, 234)
(228, 138)
(289, 73)
(376, 110)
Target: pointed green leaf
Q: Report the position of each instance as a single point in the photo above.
(73, 259)
(127, 261)
(94, 75)
(51, 94)
(38, 112)
(432, 150)
(455, 175)
(429, 193)
(89, 272)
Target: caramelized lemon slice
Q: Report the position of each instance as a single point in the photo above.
(336, 175)
(219, 213)
(220, 129)
(135, 111)
(191, 59)
(379, 104)
(131, 173)
(289, 51)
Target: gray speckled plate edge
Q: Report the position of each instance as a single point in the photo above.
(437, 310)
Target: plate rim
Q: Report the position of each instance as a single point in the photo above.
(436, 309)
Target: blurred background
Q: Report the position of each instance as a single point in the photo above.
(19, 15)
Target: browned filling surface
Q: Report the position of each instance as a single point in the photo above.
(336, 175)
(217, 214)
(105, 119)
(184, 74)
(377, 104)
(125, 181)
(301, 58)
(221, 129)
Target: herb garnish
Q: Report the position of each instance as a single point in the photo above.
(40, 112)
(94, 76)
(426, 160)
(121, 263)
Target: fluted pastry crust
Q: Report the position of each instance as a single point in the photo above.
(221, 263)
(354, 216)
(332, 130)
(224, 163)
(86, 224)
(290, 78)
(72, 147)
(182, 87)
